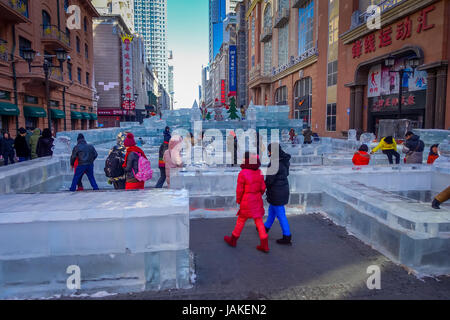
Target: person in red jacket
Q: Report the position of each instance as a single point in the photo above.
(362, 157)
(433, 155)
(249, 191)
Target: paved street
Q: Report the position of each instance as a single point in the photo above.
(324, 263)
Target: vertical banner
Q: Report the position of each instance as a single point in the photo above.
(127, 73)
(374, 81)
(222, 92)
(232, 71)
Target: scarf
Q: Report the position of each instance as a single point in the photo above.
(133, 149)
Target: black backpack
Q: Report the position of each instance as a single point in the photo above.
(113, 165)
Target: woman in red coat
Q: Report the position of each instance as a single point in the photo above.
(362, 157)
(433, 155)
(249, 191)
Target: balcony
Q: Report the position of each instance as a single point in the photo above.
(282, 18)
(258, 77)
(14, 11)
(53, 38)
(266, 35)
(4, 52)
(298, 3)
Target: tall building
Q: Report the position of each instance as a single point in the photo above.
(150, 19)
(171, 87)
(124, 8)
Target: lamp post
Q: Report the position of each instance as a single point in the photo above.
(413, 63)
(61, 55)
(129, 100)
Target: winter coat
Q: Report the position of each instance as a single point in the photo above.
(278, 184)
(361, 158)
(249, 191)
(307, 133)
(44, 147)
(6, 147)
(432, 158)
(85, 153)
(413, 148)
(34, 142)
(383, 145)
(167, 135)
(162, 148)
(131, 164)
(21, 146)
(172, 156)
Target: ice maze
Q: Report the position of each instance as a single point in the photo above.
(139, 240)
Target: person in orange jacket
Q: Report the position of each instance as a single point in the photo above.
(433, 155)
(361, 157)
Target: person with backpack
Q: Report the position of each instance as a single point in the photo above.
(45, 144)
(172, 156)
(413, 147)
(21, 146)
(114, 170)
(161, 164)
(136, 165)
(361, 157)
(249, 191)
(389, 147)
(7, 148)
(86, 155)
(277, 193)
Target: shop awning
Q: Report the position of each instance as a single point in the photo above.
(34, 112)
(57, 114)
(8, 109)
(85, 115)
(75, 115)
(93, 116)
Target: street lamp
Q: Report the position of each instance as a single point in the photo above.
(412, 63)
(129, 101)
(61, 55)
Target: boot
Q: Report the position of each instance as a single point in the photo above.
(231, 240)
(286, 240)
(264, 246)
(267, 229)
(435, 204)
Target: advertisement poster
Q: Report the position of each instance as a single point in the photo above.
(374, 81)
(232, 71)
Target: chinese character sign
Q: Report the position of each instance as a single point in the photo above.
(127, 72)
(374, 81)
(232, 71)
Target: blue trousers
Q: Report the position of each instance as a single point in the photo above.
(280, 213)
(79, 171)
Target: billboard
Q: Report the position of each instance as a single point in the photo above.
(232, 71)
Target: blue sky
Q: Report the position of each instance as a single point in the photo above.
(188, 39)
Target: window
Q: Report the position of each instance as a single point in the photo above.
(68, 34)
(87, 79)
(333, 30)
(69, 70)
(331, 117)
(23, 44)
(5, 95)
(86, 51)
(305, 27)
(85, 24)
(66, 5)
(73, 106)
(283, 4)
(303, 100)
(268, 44)
(46, 20)
(281, 96)
(78, 45)
(332, 73)
(30, 99)
(54, 103)
(253, 32)
(283, 45)
(79, 74)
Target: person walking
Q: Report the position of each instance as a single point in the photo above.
(86, 155)
(161, 164)
(278, 191)
(131, 164)
(34, 141)
(413, 147)
(249, 191)
(361, 157)
(7, 149)
(45, 144)
(307, 134)
(433, 155)
(388, 146)
(167, 134)
(441, 198)
(172, 156)
(114, 170)
(21, 146)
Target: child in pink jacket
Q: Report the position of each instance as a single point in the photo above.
(249, 191)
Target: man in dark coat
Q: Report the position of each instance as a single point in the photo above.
(21, 146)
(45, 144)
(278, 191)
(413, 147)
(7, 148)
(161, 164)
(86, 155)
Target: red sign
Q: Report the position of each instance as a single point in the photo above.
(109, 112)
(129, 105)
(222, 91)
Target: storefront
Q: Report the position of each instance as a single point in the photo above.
(8, 113)
(108, 118)
(32, 115)
(58, 117)
(75, 118)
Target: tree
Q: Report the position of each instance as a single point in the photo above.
(233, 110)
(208, 116)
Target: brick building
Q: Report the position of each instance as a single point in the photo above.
(42, 27)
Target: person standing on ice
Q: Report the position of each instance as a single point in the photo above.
(172, 156)
(249, 191)
(114, 163)
(86, 155)
(161, 164)
(45, 144)
(413, 147)
(389, 147)
(21, 146)
(131, 163)
(7, 148)
(278, 192)
(34, 141)
(166, 134)
(361, 157)
(433, 155)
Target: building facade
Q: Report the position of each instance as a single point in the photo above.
(42, 26)
(124, 8)
(150, 19)
(242, 56)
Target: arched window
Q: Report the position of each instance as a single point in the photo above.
(85, 24)
(281, 96)
(268, 16)
(46, 20)
(268, 44)
(303, 100)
